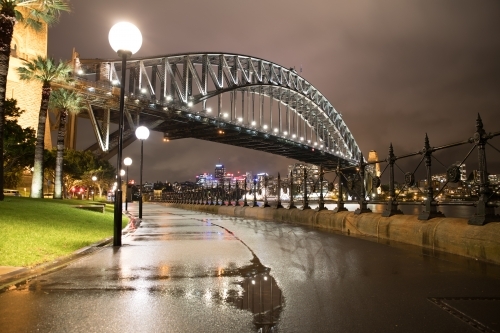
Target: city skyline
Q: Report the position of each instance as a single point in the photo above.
(395, 71)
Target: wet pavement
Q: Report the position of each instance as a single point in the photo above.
(184, 271)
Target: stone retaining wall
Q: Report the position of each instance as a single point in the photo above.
(450, 235)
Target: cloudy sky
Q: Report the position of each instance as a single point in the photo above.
(394, 69)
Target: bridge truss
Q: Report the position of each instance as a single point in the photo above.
(228, 98)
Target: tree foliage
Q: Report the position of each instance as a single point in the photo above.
(78, 169)
(18, 145)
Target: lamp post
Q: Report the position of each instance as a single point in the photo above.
(125, 39)
(128, 162)
(94, 178)
(142, 133)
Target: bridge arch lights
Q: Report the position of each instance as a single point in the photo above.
(237, 91)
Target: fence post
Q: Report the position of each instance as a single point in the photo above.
(292, 204)
(340, 201)
(266, 204)
(484, 212)
(321, 205)
(245, 203)
(430, 208)
(392, 207)
(212, 194)
(306, 201)
(254, 193)
(278, 204)
(217, 194)
(363, 207)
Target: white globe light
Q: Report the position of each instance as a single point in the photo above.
(127, 161)
(142, 133)
(125, 36)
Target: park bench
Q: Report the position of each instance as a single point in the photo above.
(95, 207)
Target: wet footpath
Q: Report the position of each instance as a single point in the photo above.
(185, 271)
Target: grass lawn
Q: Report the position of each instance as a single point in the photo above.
(33, 231)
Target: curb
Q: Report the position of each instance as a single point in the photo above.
(12, 279)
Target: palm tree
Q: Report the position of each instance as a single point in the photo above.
(63, 101)
(46, 71)
(35, 14)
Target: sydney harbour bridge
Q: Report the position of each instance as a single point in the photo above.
(226, 98)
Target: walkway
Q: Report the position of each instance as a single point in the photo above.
(184, 271)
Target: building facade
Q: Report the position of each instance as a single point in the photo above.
(27, 44)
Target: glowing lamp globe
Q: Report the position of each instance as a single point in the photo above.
(142, 133)
(125, 37)
(127, 161)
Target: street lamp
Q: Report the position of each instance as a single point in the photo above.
(128, 162)
(94, 178)
(142, 133)
(125, 39)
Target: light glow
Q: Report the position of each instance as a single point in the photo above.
(142, 133)
(125, 36)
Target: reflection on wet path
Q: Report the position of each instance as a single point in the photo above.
(181, 258)
(261, 294)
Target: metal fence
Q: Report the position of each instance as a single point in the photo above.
(362, 184)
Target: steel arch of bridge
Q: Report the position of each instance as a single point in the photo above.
(187, 84)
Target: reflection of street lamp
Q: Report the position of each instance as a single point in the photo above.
(125, 39)
(128, 162)
(94, 178)
(142, 133)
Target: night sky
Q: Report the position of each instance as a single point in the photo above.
(394, 69)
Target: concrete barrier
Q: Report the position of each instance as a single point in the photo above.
(450, 235)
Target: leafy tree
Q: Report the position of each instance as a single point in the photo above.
(35, 14)
(63, 101)
(46, 71)
(18, 145)
(78, 169)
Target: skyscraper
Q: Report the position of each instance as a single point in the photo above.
(220, 171)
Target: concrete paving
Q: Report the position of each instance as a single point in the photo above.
(184, 271)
